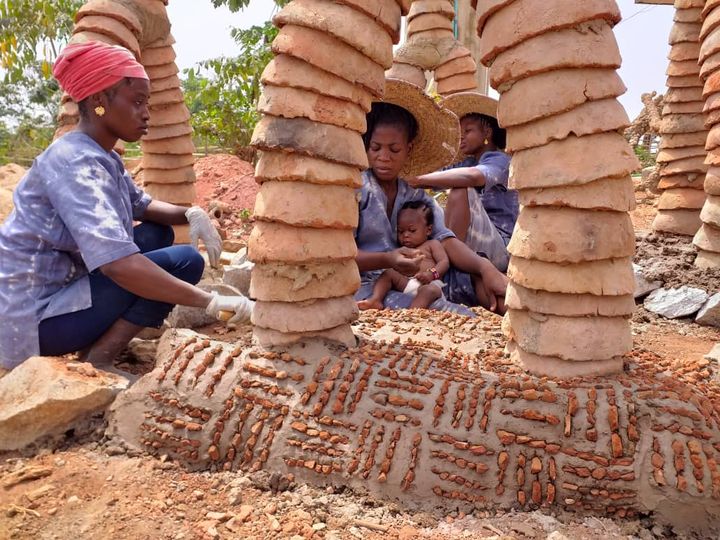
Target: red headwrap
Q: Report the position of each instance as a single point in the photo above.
(84, 69)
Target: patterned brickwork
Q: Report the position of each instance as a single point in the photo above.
(409, 421)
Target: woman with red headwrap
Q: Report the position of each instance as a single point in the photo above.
(75, 275)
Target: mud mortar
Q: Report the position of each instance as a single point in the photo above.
(420, 421)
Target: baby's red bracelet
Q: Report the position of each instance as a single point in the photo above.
(435, 273)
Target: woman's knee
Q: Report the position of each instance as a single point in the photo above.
(183, 261)
(193, 264)
(150, 236)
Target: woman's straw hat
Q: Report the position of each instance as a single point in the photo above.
(464, 103)
(438, 136)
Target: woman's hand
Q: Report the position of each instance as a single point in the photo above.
(201, 228)
(406, 261)
(238, 308)
(495, 284)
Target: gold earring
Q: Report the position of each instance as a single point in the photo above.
(100, 110)
(486, 141)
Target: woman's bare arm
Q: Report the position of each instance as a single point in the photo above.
(462, 177)
(165, 213)
(142, 277)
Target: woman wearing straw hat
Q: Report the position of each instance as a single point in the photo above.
(481, 210)
(409, 134)
(74, 272)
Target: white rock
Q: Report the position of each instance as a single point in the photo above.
(642, 285)
(676, 303)
(239, 258)
(714, 353)
(238, 276)
(43, 396)
(710, 313)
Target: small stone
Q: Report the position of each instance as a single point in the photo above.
(52, 511)
(642, 285)
(72, 500)
(238, 276)
(199, 495)
(714, 353)
(245, 512)
(709, 314)
(217, 516)
(212, 532)
(556, 535)
(524, 529)
(234, 496)
(408, 533)
(271, 508)
(319, 526)
(40, 492)
(114, 450)
(676, 303)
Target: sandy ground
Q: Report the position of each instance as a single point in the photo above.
(97, 489)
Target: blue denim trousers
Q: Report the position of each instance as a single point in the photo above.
(75, 331)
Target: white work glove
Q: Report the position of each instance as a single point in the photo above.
(239, 307)
(201, 228)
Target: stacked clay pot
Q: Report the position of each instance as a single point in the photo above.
(571, 292)
(329, 65)
(681, 158)
(431, 46)
(144, 29)
(167, 163)
(707, 239)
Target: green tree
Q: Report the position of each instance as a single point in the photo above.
(222, 93)
(32, 31)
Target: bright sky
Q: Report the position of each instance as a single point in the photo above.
(203, 32)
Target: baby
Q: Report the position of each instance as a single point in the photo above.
(415, 224)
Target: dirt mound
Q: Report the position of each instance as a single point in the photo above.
(10, 175)
(670, 258)
(227, 179)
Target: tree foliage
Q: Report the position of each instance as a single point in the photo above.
(31, 31)
(237, 5)
(222, 93)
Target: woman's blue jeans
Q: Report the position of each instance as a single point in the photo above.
(75, 331)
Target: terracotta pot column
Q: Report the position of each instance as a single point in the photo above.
(430, 45)
(330, 64)
(167, 162)
(682, 153)
(707, 239)
(571, 293)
